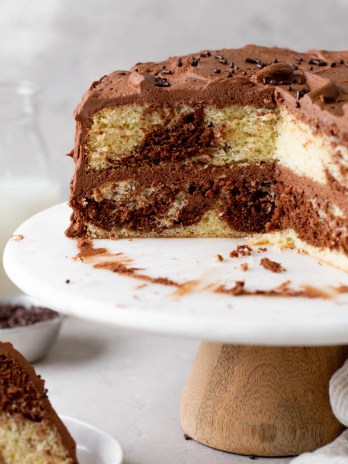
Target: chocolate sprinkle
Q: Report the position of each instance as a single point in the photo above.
(17, 315)
(317, 62)
(162, 82)
(253, 60)
(194, 61)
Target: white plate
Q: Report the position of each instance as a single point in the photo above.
(93, 445)
(41, 263)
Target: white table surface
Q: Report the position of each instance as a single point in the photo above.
(128, 384)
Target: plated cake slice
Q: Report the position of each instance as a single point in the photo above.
(30, 430)
(245, 142)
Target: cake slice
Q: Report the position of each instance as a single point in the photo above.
(250, 142)
(30, 430)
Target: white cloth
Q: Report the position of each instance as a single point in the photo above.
(337, 451)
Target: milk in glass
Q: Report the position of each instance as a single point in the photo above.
(27, 183)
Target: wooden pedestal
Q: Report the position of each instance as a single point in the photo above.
(261, 401)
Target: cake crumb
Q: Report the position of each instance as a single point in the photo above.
(272, 266)
(17, 237)
(261, 249)
(244, 267)
(187, 437)
(241, 250)
(219, 258)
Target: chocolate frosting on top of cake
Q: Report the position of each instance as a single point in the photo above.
(314, 85)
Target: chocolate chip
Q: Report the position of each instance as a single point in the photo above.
(217, 71)
(230, 74)
(179, 62)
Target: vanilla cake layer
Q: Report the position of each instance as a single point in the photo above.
(218, 136)
(26, 442)
(235, 142)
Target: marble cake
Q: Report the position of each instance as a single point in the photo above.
(228, 143)
(30, 430)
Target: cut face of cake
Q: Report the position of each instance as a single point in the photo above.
(30, 430)
(250, 142)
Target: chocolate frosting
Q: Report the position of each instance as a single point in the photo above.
(313, 84)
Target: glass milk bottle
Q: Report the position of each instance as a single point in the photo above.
(27, 183)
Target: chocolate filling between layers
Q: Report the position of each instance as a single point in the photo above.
(260, 197)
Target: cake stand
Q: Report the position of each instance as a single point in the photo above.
(259, 383)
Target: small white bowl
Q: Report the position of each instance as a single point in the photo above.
(94, 446)
(34, 340)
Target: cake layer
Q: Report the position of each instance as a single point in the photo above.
(213, 136)
(248, 198)
(23, 441)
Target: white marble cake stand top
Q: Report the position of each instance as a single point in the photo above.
(42, 262)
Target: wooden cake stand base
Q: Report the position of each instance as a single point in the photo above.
(261, 401)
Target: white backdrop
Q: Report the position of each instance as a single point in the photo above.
(64, 45)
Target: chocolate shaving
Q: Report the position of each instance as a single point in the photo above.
(275, 72)
(17, 315)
